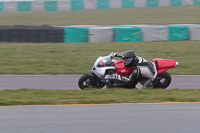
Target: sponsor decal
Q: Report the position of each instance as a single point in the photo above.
(122, 71)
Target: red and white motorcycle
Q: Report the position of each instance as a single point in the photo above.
(105, 66)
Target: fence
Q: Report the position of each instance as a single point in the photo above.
(65, 5)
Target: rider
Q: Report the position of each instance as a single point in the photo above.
(142, 68)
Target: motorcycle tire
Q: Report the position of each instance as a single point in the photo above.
(162, 80)
(86, 81)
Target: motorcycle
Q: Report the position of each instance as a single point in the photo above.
(104, 67)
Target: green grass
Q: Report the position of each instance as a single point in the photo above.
(95, 96)
(78, 58)
(122, 16)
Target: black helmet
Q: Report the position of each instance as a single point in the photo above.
(129, 58)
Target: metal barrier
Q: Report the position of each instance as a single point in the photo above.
(81, 33)
(65, 5)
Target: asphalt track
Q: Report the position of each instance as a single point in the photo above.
(115, 118)
(70, 81)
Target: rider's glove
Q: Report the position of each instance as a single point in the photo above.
(112, 55)
(125, 79)
(120, 78)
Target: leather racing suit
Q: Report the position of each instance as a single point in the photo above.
(144, 68)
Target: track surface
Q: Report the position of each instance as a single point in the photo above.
(70, 81)
(126, 118)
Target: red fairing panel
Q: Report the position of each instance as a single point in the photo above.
(164, 64)
(121, 69)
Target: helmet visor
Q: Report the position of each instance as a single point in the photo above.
(127, 61)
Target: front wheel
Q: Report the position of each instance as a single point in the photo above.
(86, 81)
(162, 80)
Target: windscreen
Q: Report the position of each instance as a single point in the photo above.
(105, 63)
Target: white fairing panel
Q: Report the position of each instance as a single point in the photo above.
(100, 71)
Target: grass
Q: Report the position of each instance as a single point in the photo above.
(78, 58)
(95, 96)
(119, 16)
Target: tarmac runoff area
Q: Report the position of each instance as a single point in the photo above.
(109, 118)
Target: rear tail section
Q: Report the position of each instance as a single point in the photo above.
(164, 64)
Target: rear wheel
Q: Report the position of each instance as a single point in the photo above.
(162, 80)
(86, 81)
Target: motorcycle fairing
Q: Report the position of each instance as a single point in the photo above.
(101, 65)
(163, 64)
(121, 69)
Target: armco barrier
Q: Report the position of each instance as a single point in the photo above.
(76, 34)
(178, 33)
(24, 6)
(155, 33)
(132, 33)
(195, 32)
(1, 6)
(65, 5)
(127, 34)
(77, 5)
(50, 5)
(93, 33)
(101, 34)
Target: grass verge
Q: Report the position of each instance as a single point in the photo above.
(96, 96)
(78, 58)
(119, 16)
